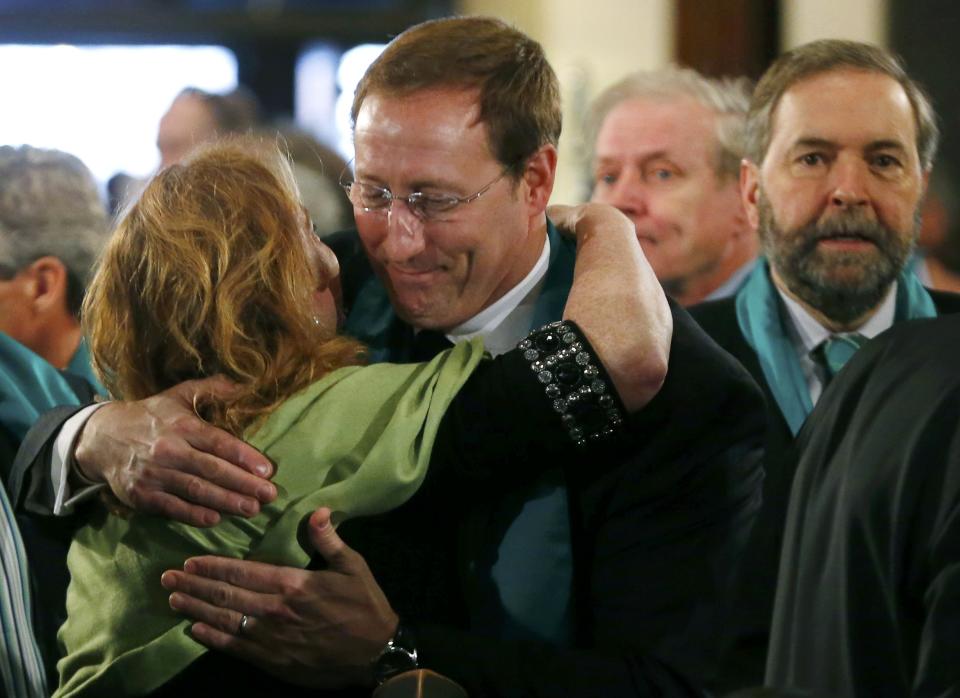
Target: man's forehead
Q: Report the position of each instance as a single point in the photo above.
(661, 111)
(853, 105)
(428, 105)
(428, 131)
(651, 126)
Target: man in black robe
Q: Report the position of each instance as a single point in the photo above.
(869, 595)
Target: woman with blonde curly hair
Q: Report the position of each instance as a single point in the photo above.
(215, 270)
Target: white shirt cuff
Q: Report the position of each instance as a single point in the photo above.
(62, 461)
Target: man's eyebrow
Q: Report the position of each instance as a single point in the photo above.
(661, 154)
(417, 185)
(607, 161)
(437, 184)
(813, 142)
(887, 144)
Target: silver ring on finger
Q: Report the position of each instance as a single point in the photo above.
(244, 619)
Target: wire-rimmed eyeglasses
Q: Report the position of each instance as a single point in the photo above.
(374, 199)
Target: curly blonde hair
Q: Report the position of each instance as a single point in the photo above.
(207, 273)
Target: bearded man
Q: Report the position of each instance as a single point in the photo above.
(840, 146)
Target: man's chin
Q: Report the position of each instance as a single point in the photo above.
(848, 278)
(421, 313)
(844, 292)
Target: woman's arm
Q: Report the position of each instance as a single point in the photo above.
(617, 301)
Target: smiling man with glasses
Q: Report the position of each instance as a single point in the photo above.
(571, 583)
(437, 265)
(569, 589)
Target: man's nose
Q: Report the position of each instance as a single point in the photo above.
(405, 232)
(627, 194)
(849, 183)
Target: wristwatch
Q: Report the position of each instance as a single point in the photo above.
(399, 655)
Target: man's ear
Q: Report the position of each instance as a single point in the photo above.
(538, 176)
(47, 277)
(750, 191)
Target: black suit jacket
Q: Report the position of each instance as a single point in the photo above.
(745, 658)
(656, 537)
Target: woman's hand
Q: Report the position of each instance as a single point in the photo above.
(574, 221)
(617, 301)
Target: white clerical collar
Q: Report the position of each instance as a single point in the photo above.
(507, 320)
(811, 333)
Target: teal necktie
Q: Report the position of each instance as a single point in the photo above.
(836, 350)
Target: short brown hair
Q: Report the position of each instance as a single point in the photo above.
(207, 273)
(823, 56)
(518, 91)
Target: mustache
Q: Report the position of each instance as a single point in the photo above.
(846, 226)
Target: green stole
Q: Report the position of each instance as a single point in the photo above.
(357, 441)
(764, 326)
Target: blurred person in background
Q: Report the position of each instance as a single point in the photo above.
(666, 147)
(52, 227)
(937, 260)
(194, 117)
(317, 169)
(197, 116)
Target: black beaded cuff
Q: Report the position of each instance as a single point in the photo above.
(574, 381)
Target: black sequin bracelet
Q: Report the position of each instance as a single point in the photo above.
(574, 381)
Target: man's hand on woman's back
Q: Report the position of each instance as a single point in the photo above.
(157, 456)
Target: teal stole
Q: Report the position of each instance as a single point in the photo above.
(30, 385)
(765, 327)
(82, 365)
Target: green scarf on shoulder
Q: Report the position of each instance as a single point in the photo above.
(357, 441)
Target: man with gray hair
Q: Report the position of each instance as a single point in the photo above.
(666, 151)
(840, 146)
(52, 225)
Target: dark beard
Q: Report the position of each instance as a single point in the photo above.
(843, 286)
